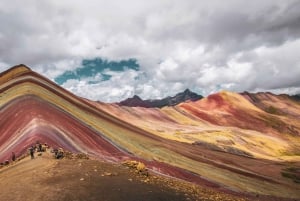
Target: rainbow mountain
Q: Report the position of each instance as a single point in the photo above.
(244, 142)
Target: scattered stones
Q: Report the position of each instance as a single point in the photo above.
(146, 180)
(109, 174)
(81, 156)
(138, 166)
(70, 155)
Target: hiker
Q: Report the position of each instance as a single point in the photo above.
(40, 147)
(13, 156)
(44, 147)
(55, 151)
(31, 151)
(60, 153)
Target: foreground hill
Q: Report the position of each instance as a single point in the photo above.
(225, 141)
(45, 178)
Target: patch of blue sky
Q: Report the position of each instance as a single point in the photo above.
(92, 67)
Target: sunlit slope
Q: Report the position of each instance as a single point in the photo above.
(254, 128)
(171, 140)
(224, 121)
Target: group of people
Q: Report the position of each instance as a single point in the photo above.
(38, 147)
(58, 153)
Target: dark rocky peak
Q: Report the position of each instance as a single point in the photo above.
(189, 95)
(136, 97)
(296, 97)
(186, 95)
(135, 101)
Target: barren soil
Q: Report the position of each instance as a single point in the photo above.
(45, 178)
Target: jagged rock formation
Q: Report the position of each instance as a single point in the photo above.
(230, 141)
(136, 101)
(296, 97)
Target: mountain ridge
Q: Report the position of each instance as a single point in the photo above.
(212, 139)
(136, 101)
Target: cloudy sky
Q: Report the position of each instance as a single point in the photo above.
(111, 50)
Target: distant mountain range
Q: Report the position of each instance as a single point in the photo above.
(296, 97)
(181, 97)
(184, 96)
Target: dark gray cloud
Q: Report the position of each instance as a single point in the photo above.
(205, 46)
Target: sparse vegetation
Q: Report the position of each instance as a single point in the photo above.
(237, 151)
(273, 110)
(277, 124)
(292, 173)
(223, 148)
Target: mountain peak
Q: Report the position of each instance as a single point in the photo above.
(21, 66)
(187, 91)
(136, 97)
(13, 72)
(136, 101)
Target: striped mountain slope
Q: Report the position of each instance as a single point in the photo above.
(226, 140)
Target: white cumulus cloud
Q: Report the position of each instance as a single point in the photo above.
(206, 46)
